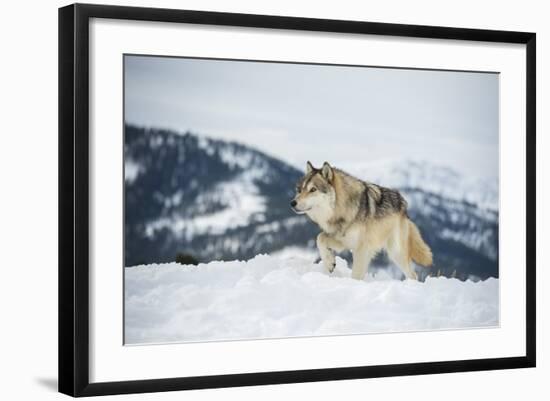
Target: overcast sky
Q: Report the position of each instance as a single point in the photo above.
(313, 112)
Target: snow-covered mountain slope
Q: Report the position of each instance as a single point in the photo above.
(210, 198)
(440, 180)
(272, 297)
(219, 200)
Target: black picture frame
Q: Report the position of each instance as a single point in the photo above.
(74, 194)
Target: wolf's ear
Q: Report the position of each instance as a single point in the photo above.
(309, 167)
(327, 171)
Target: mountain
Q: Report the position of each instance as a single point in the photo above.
(220, 200)
(210, 198)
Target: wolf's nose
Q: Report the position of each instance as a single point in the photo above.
(293, 203)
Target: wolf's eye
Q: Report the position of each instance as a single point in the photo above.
(313, 189)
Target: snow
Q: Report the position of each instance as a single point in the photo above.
(132, 170)
(296, 252)
(235, 156)
(476, 240)
(281, 296)
(206, 144)
(156, 141)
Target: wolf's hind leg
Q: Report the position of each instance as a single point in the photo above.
(398, 253)
(327, 245)
(406, 267)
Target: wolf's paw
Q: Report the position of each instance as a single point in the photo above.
(330, 263)
(331, 267)
(358, 276)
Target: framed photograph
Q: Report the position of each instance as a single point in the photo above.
(252, 199)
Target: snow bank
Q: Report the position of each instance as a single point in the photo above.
(270, 296)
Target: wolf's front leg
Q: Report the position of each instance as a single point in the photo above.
(327, 256)
(361, 261)
(326, 245)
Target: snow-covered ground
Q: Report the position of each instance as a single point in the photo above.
(274, 297)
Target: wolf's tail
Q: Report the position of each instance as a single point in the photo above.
(419, 251)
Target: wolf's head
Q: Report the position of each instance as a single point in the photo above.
(315, 194)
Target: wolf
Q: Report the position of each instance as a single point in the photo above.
(363, 217)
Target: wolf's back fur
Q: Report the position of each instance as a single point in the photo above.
(361, 216)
